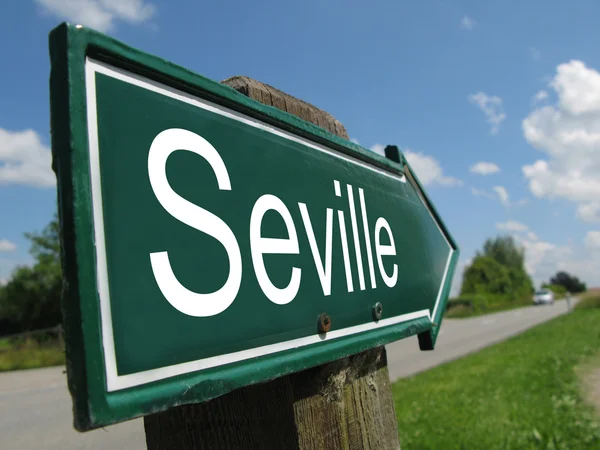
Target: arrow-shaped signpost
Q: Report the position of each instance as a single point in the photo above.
(212, 243)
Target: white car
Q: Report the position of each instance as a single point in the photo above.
(543, 296)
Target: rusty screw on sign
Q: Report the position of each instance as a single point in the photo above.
(377, 311)
(324, 323)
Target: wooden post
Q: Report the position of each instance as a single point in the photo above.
(346, 404)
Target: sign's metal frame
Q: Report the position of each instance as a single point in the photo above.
(94, 404)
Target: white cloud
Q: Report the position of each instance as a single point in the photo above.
(467, 23)
(378, 148)
(7, 246)
(521, 202)
(355, 141)
(427, 168)
(512, 225)
(482, 193)
(589, 212)
(540, 96)
(492, 107)
(543, 259)
(502, 195)
(535, 53)
(568, 133)
(518, 227)
(99, 14)
(484, 168)
(24, 159)
(582, 261)
(592, 240)
(3, 282)
(585, 268)
(578, 88)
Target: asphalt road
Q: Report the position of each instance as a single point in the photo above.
(35, 406)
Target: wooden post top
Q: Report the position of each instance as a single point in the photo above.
(268, 95)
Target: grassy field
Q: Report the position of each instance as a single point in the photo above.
(590, 300)
(30, 354)
(521, 394)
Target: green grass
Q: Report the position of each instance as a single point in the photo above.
(4, 343)
(462, 311)
(31, 355)
(494, 304)
(521, 394)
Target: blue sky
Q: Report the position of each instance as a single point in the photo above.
(510, 84)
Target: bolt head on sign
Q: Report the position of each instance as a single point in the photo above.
(203, 233)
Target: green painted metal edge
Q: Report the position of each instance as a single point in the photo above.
(61, 136)
(428, 338)
(93, 406)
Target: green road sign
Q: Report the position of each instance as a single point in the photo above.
(210, 242)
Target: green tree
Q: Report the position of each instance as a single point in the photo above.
(498, 270)
(569, 282)
(521, 282)
(31, 298)
(485, 275)
(505, 251)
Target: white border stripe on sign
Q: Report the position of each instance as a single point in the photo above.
(116, 382)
